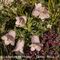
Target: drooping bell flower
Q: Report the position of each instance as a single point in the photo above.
(36, 45)
(21, 21)
(9, 38)
(40, 11)
(19, 46)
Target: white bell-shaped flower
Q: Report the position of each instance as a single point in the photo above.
(21, 21)
(40, 11)
(9, 38)
(19, 47)
(35, 43)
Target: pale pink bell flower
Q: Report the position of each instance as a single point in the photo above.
(19, 46)
(36, 45)
(9, 38)
(21, 21)
(40, 11)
